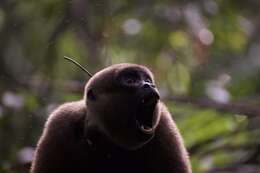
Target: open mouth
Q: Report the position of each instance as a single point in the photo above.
(145, 117)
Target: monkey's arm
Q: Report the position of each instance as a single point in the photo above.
(54, 152)
(166, 150)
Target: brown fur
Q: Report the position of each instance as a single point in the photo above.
(93, 137)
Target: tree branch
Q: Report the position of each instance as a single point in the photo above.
(243, 168)
(233, 107)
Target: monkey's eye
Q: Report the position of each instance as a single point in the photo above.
(130, 81)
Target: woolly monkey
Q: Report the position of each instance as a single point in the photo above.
(120, 126)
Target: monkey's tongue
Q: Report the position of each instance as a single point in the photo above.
(144, 128)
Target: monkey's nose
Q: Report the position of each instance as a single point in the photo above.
(147, 85)
(149, 93)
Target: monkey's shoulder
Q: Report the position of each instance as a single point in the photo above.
(66, 117)
(167, 132)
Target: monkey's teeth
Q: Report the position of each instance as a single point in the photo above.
(146, 129)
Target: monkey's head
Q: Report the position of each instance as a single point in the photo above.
(123, 101)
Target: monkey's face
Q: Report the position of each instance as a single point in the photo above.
(123, 101)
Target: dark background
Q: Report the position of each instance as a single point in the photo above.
(205, 55)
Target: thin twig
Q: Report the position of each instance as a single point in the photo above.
(79, 65)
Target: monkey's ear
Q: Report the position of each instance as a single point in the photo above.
(90, 95)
